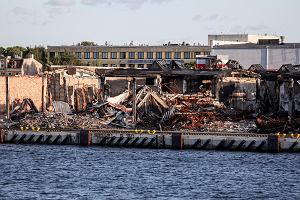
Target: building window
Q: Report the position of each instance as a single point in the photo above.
(140, 55)
(131, 65)
(113, 65)
(131, 55)
(52, 55)
(78, 55)
(177, 55)
(149, 66)
(206, 53)
(123, 65)
(87, 55)
(1, 63)
(168, 55)
(149, 55)
(96, 55)
(198, 53)
(122, 55)
(104, 55)
(187, 55)
(113, 55)
(140, 65)
(158, 55)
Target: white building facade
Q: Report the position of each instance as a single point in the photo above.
(271, 57)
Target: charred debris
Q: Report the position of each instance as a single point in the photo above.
(172, 97)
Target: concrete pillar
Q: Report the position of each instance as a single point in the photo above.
(134, 100)
(84, 138)
(258, 99)
(218, 89)
(273, 144)
(277, 94)
(102, 86)
(158, 83)
(177, 141)
(2, 136)
(184, 86)
(291, 92)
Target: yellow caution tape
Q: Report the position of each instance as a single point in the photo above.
(151, 132)
(139, 131)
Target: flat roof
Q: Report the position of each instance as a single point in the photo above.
(257, 46)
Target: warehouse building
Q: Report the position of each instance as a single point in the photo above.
(271, 56)
(223, 39)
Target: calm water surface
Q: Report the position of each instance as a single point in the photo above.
(70, 172)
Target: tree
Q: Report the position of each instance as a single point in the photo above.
(190, 65)
(66, 59)
(15, 51)
(88, 43)
(2, 50)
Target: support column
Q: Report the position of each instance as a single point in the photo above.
(273, 144)
(43, 92)
(134, 100)
(258, 98)
(184, 86)
(177, 141)
(102, 86)
(85, 138)
(158, 83)
(277, 95)
(218, 88)
(291, 100)
(7, 97)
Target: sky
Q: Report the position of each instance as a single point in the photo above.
(152, 22)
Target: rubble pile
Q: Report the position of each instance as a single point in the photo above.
(61, 121)
(200, 112)
(155, 111)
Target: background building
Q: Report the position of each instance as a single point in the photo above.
(19, 66)
(223, 39)
(130, 56)
(271, 56)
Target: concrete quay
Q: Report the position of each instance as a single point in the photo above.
(180, 140)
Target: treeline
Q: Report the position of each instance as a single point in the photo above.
(40, 53)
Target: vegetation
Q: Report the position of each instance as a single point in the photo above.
(87, 43)
(190, 65)
(39, 53)
(65, 59)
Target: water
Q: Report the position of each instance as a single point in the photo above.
(71, 172)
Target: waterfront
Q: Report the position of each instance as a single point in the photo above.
(71, 172)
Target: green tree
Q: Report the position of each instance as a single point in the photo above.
(15, 51)
(2, 50)
(88, 43)
(190, 65)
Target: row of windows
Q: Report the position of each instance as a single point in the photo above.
(140, 55)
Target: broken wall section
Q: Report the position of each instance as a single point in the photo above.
(239, 93)
(22, 87)
(76, 91)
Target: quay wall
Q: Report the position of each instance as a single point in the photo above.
(272, 143)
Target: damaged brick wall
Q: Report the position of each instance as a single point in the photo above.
(22, 87)
(76, 91)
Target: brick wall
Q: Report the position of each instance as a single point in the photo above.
(22, 87)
